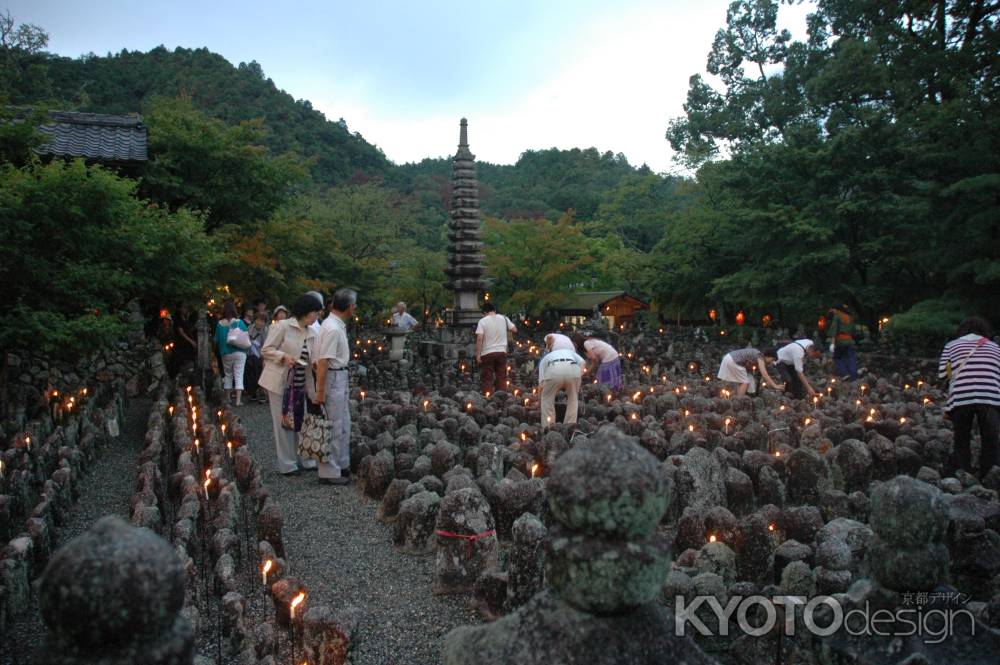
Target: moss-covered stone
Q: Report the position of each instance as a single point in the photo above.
(608, 486)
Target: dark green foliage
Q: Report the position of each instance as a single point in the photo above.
(863, 169)
(128, 81)
(203, 164)
(76, 245)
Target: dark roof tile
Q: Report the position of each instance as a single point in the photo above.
(118, 138)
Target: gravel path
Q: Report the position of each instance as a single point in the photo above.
(346, 557)
(106, 491)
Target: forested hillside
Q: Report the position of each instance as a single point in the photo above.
(128, 81)
(859, 166)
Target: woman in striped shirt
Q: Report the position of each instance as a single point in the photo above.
(737, 367)
(971, 364)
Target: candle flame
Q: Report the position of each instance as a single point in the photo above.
(267, 566)
(777, 453)
(808, 420)
(296, 602)
(902, 420)
(712, 538)
(770, 527)
(534, 469)
(690, 428)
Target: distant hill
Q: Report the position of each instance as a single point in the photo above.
(123, 82)
(541, 183)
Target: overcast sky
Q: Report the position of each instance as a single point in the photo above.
(527, 75)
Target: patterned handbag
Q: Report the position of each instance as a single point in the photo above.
(292, 404)
(315, 435)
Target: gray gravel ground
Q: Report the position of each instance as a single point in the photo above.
(106, 491)
(346, 557)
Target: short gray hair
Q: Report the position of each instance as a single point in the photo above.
(343, 299)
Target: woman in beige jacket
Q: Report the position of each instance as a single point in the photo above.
(289, 346)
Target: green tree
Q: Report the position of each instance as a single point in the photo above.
(534, 262)
(203, 164)
(76, 245)
(841, 155)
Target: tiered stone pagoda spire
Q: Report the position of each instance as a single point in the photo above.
(465, 267)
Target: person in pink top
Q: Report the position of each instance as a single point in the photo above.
(604, 358)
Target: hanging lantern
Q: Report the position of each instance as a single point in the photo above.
(712, 314)
(766, 320)
(821, 323)
(740, 318)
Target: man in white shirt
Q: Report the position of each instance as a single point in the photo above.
(560, 370)
(402, 319)
(491, 349)
(791, 359)
(333, 353)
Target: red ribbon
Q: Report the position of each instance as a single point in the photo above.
(470, 540)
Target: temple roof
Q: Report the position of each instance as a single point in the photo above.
(95, 136)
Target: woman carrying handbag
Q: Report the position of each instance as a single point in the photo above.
(233, 341)
(286, 378)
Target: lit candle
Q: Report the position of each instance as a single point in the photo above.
(208, 481)
(534, 469)
(229, 446)
(728, 420)
(427, 403)
(266, 570)
(170, 410)
(711, 538)
(690, 428)
(770, 527)
(295, 603)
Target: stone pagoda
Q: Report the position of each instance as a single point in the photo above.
(465, 235)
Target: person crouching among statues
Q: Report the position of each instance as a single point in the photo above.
(333, 353)
(737, 367)
(287, 352)
(603, 358)
(560, 369)
(791, 367)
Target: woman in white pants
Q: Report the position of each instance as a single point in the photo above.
(560, 370)
(289, 345)
(234, 359)
(737, 367)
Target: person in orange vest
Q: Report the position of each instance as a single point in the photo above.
(841, 333)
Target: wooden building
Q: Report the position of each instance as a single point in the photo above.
(614, 307)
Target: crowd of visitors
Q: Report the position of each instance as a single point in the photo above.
(296, 359)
